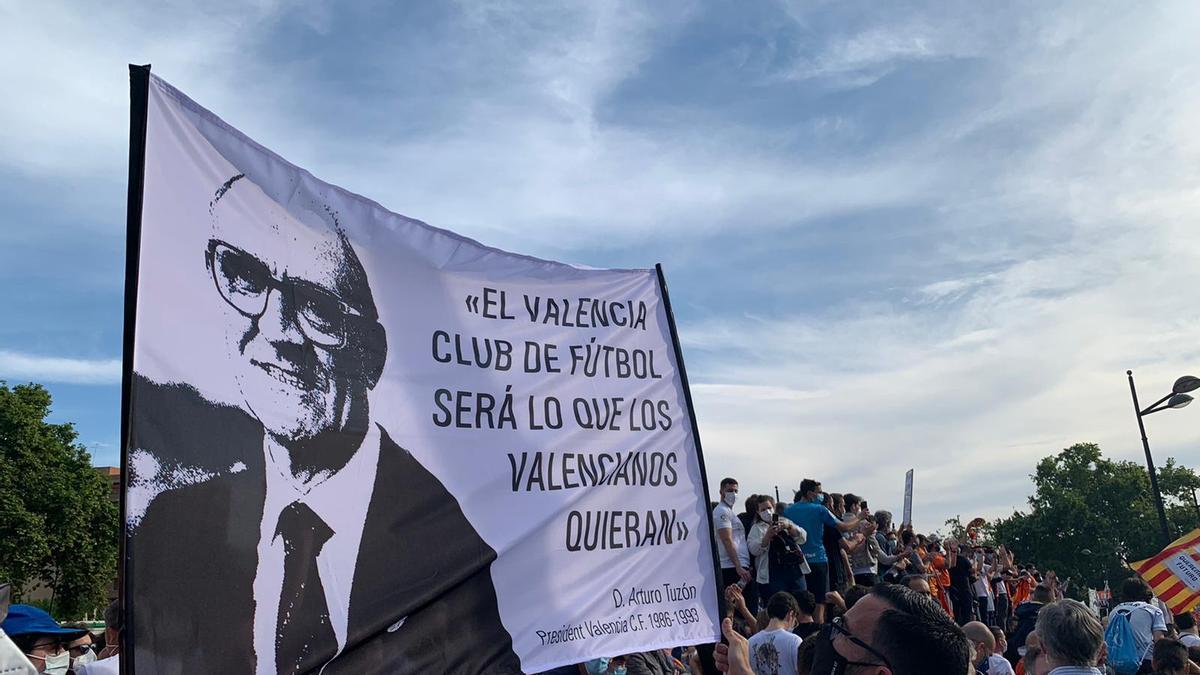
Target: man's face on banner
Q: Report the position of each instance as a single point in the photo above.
(290, 293)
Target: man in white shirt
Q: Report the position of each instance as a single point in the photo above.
(987, 661)
(984, 597)
(732, 548)
(1188, 635)
(1148, 622)
(1070, 638)
(773, 651)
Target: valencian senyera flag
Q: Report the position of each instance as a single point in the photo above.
(1174, 574)
(357, 443)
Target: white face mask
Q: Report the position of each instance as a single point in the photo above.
(766, 514)
(83, 659)
(58, 665)
(731, 498)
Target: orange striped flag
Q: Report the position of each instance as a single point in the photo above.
(1174, 574)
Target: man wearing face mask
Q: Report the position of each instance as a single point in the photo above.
(81, 650)
(810, 515)
(987, 661)
(40, 638)
(731, 538)
(108, 661)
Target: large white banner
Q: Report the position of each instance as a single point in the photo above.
(364, 444)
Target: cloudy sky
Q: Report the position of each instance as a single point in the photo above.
(897, 235)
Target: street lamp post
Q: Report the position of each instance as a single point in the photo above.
(1178, 398)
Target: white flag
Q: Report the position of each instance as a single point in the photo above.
(361, 441)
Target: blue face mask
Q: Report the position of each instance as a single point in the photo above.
(597, 666)
(820, 497)
(619, 670)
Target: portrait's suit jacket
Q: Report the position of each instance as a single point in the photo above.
(193, 558)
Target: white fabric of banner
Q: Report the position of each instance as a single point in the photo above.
(544, 400)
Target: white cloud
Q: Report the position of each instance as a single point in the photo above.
(17, 367)
(541, 169)
(1073, 222)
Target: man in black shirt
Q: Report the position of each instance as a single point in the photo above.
(961, 596)
(807, 604)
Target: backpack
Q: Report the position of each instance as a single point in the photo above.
(785, 552)
(1125, 650)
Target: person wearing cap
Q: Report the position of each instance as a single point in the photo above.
(40, 638)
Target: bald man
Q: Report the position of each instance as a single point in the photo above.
(918, 583)
(986, 659)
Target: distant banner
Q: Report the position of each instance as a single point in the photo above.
(361, 444)
(908, 487)
(1174, 574)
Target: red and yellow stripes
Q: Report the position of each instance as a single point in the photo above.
(1164, 582)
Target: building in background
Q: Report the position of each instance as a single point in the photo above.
(113, 475)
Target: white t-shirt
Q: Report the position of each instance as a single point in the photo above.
(1189, 640)
(983, 589)
(773, 652)
(1144, 619)
(998, 665)
(109, 666)
(725, 519)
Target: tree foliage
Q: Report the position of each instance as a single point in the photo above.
(57, 525)
(1087, 514)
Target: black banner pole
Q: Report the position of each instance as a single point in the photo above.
(139, 94)
(687, 397)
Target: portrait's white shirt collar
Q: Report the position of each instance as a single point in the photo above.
(342, 501)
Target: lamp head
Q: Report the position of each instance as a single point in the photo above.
(1179, 401)
(1185, 384)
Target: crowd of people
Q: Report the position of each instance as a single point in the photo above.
(824, 585)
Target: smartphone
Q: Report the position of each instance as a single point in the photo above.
(774, 518)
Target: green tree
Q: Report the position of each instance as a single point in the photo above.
(57, 525)
(1088, 514)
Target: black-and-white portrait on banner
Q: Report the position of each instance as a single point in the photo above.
(303, 538)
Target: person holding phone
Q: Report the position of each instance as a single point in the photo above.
(775, 543)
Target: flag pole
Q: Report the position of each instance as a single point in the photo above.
(139, 96)
(687, 397)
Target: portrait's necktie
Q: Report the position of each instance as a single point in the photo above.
(304, 638)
